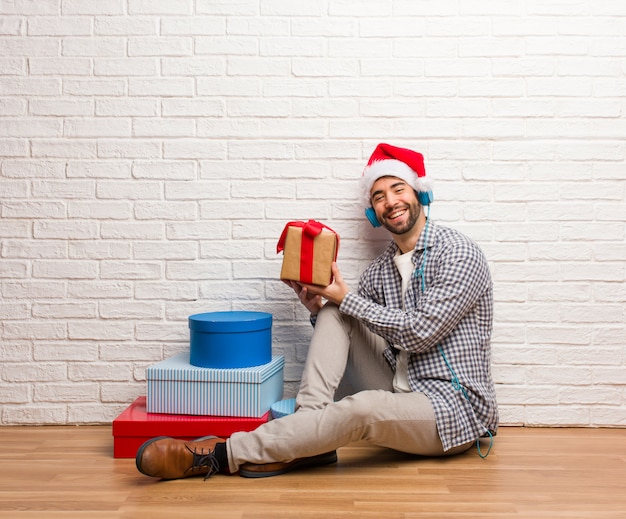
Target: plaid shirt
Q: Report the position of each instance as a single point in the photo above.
(445, 329)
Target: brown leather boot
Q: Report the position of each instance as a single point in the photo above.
(167, 458)
(265, 470)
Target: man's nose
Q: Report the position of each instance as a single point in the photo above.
(391, 200)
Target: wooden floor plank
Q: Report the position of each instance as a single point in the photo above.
(70, 472)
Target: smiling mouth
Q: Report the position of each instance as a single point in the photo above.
(396, 214)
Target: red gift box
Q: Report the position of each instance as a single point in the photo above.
(309, 249)
(135, 426)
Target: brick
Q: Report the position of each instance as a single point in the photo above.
(34, 249)
(14, 394)
(193, 67)
(33, 210)
(142, 7)
(159, 46)
(123, 270)
(129, 149)
(89, 169)
(196, 25)
(197, 107)
(75, 149)
(29, 47)
(126, 107)
(100, 210)
(100, 331)
(161, 87)
(33, 289)
(132, 231)
(160, 290)
(93, 7)
(41, 372)
(167, 251)
(125, 67)
(33, 127)
(97, 127)
(130, 310)
(100, 290)
(97, 371)
(35, 414)
(125, 26)
(58, 26)
(58, 393)
(54, 66)
(14, 311)
(70, 269)
(201, 230)
(150, 127)
(62, 352)
(100, 46)
(193, 149)
(65, 310)
(193, 190)
(138, 190)
(145, 210)
(65, 229)
(162, 332)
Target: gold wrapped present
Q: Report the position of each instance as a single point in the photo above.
(309, 249)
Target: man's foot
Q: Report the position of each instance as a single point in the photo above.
(265, 470)
(167, 458)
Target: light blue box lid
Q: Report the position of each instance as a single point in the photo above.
(178, 367)
(283, 408)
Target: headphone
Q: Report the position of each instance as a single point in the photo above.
(425, 198)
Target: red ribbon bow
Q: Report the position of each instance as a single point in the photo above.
(310, 230)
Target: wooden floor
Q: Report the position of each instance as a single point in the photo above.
(70, 472)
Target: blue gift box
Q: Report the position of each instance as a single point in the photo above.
(230, 339)
(175, 386)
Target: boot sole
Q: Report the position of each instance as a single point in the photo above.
(313, 461)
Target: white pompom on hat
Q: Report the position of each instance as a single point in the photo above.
(391, 161)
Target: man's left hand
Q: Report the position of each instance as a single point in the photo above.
(335, 292)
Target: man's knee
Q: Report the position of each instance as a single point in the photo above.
(329, 309)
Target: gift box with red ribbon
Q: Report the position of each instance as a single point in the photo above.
(309, 249)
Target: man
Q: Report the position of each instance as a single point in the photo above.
(412, 345)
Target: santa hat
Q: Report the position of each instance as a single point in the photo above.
(391, 161)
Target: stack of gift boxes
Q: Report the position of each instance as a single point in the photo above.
(226, 382)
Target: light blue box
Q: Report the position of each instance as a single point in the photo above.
(175, 386)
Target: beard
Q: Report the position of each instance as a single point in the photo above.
(414, 211)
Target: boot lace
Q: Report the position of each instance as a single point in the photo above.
(203, 460)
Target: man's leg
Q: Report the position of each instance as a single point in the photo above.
(340, 346)
(400, 421)
(343, 353)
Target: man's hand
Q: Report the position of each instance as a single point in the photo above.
(335, 292)
(312, 302)
(311, 296)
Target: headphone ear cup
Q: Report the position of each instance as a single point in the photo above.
(371, 217)
(425, 197)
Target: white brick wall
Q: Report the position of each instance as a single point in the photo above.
(151, 152)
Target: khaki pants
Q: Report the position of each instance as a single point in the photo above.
(344, 358)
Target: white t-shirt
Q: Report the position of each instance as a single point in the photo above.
(405, 267)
